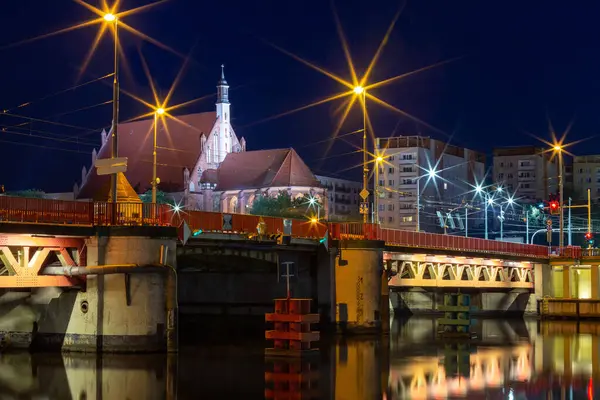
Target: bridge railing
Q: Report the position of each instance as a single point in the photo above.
(397, 237)
(243, 223)
(44, 211)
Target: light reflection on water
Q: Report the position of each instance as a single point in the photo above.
(508, 360)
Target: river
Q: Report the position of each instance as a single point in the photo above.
(507, 360)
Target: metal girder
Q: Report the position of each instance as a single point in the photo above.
(41, 241)
(452, 275)
(16, 281)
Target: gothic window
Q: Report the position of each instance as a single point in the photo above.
(192, 187)
(225, 116)
(208, 156)
(216, 146)
(226, 148)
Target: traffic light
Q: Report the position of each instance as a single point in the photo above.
(589, 237)
(553, 204)
(554, 207)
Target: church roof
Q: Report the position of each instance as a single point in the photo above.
(178, 145)
(125, 193)
(209, 176)
(264, 168)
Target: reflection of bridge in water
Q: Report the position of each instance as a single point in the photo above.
(506, 357)
(507, 360)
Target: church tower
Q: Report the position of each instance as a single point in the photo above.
(223, 97)
(223, 134)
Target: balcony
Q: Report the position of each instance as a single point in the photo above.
(526, 166)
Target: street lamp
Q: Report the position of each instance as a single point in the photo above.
(558, 148)
(155, 180)
(359, 90)
(114, 151)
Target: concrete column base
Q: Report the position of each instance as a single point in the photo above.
(358, 286)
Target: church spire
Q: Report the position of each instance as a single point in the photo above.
(222, 88)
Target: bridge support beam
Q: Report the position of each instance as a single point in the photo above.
(118, 312)
(566, 281)
(358, 271)
(595, 284)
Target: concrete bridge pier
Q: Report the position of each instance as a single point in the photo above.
(121, 312)
(358, 286)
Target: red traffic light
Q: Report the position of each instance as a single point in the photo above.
(588, 235)
(554, 205)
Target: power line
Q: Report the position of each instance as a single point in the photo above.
(28, 103)
(65, 140)
(44, 121)
(43, 147)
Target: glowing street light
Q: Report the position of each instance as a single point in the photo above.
(160, 111)
(559, 149)
(360, 91)
(114, 151)
(432, 173)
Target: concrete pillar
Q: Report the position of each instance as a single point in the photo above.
(595, 276)
(120, 312)
(385, 298)
(566, 281)
(358, 270)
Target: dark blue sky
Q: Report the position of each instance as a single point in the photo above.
(522, 62)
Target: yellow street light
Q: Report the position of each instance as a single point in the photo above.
(160, 111)
(359, 89)
(379, 159)
(557, 147)
(314, 220)
(110, 17)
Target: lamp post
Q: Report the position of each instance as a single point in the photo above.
(114, 151)
(359, 90)
(155, 181)
(561, 223)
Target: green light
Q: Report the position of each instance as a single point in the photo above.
(197, 233)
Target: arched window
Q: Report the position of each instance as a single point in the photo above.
(225, 116)
(216, 146)
(208, 156)
(226, 148)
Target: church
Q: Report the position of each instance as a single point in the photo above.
(200, 162)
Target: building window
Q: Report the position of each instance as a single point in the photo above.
(390, 207)
(445, 185)
(390, 219)
(208, 155)
(382, 207)
(501, 165)
(391, 158)
(381, 171)
(381, 182)
(407, 219)
(407, 181)
(390, 170)
(407, 169)
(225, 116)
(500, 176)
(391, 182)
(390, 195)
(509, 176)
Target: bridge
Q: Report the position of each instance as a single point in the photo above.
(417, 257)
(128, 249)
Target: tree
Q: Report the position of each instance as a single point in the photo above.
(283, 205)
(29, 193)
(161, 198)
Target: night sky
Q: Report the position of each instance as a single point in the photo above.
(522, 63)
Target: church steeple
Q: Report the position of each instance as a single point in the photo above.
(222, 88)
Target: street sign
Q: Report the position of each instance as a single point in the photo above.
(364, 194)
(364, 208)
(184, 232)
(108, 166)
(227, 222)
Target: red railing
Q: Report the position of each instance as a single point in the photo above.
(16, 209)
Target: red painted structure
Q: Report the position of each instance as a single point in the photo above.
(42, 211)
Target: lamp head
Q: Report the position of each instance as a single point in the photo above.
(359, 89)
(109, 17)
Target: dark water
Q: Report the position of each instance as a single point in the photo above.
(508, 360)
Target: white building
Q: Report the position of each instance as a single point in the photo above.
(404, 173)
(343, 198)
(526, 171)
(586, 175)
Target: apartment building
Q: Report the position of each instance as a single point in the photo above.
(586, 175)
(342, 198)
(527, 171)
(404, 174)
